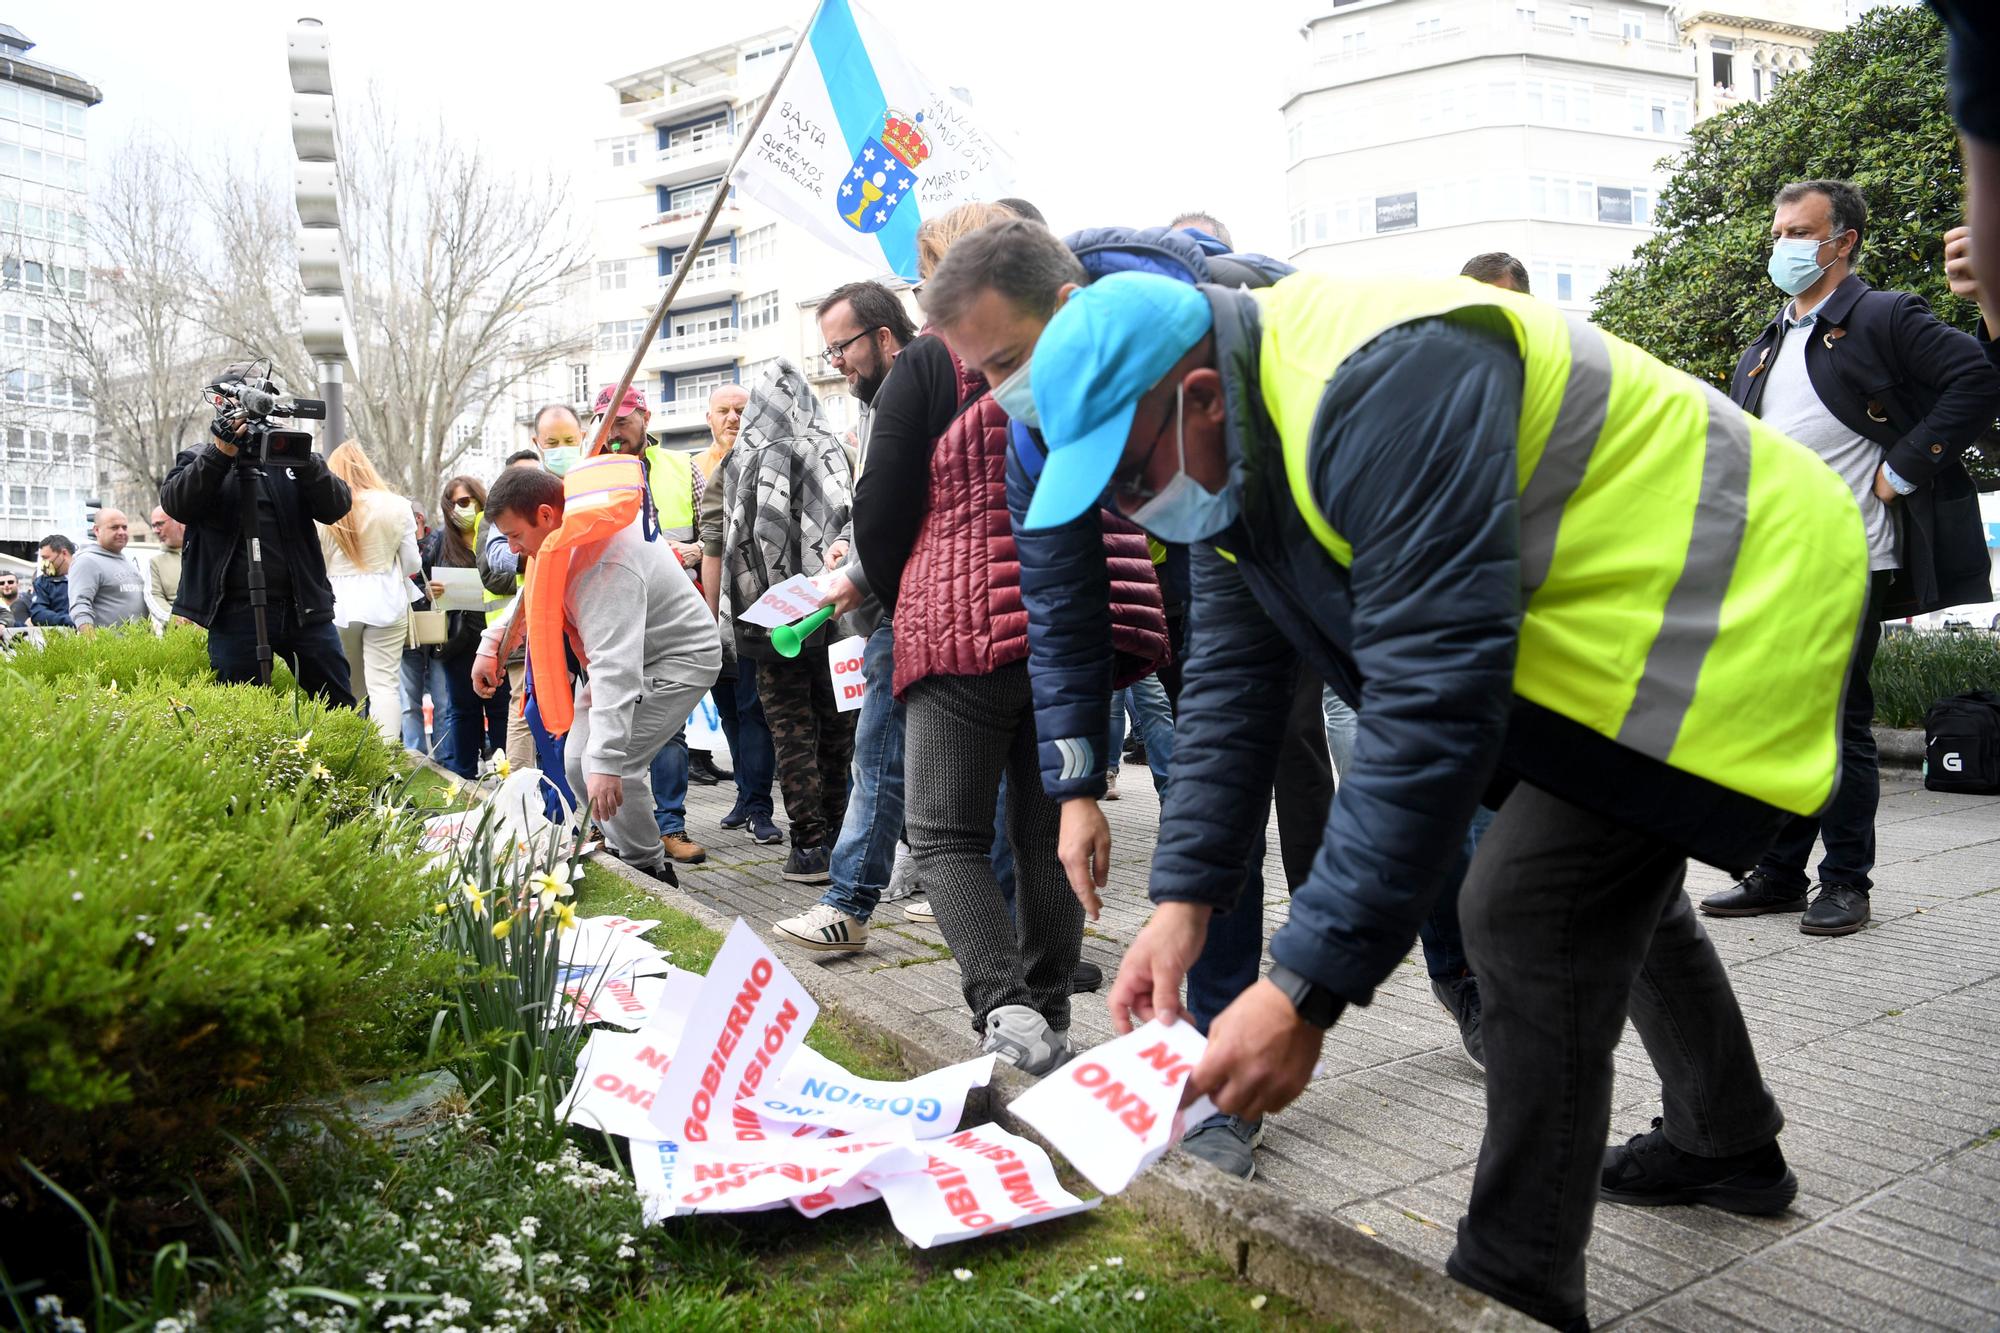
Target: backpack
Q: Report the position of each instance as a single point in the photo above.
(1962, 744)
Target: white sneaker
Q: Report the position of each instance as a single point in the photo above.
(921, 911)
(1110, 784)
(825, 928)
(1024, 1039)
(903, 879)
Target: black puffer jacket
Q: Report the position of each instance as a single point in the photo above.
(204, 492)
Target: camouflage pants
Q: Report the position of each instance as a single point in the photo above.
(814, 741)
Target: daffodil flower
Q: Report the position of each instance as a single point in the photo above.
(439, 909)
(502, 926)
(472, 894)
(549, 888)
(451, 791)
(565, 917)
(502, 767)
(302, 743)
(321, 773)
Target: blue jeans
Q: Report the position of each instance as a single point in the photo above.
(313, 652)
(463, 720)
(1147, 701)
(670, 785)
(421, 671)
(864, 855)
(749, 737)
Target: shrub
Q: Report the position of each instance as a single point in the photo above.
(201, 919)
(125, 654)
(1914, 670)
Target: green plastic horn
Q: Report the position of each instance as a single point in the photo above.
(788, 638)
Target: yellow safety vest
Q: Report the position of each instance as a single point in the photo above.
(496, 603)
(1691, 579)
(672, 482)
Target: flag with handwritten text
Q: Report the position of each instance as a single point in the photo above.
(859, 147)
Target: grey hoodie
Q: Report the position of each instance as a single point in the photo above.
(105, 589)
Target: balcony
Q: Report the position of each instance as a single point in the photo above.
(1388, 55)
(702, 347)
(708, 284)
(684, 162)
(715, 92)
(680, 414)
(677, 227)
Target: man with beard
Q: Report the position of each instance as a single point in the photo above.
(865, 327)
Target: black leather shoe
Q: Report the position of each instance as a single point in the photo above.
(1087, 977)
(1755, 894)
(1836, 910)
(704, 771)
(1649, 1171)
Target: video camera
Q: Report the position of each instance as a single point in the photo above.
(246, 397)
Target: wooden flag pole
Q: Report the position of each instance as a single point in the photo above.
(743, 143)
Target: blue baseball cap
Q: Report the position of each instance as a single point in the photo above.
(1110, 342)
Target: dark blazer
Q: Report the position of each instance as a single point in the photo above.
(1892, 372)
(204, 491)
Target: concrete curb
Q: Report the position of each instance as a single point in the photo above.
(1264, 1236)
(1900, 747)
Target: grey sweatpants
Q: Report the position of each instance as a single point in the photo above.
(960, 734)
(631, 833)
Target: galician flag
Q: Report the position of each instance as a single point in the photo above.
(859, 147)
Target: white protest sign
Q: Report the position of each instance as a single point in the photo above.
(979, 1180)
(616, 1074)
(704, 726)
(843, 659)
(1113, 1110)
(615, 925)
(730, 1177)
(782, 603)
(928, 1106)
(750, 1016)
(608, 949)
(600, 997)
(851, 1195)
(654, 1166)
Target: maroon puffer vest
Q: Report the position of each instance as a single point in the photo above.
(959, 610)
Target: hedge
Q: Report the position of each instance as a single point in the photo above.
(1913, 670)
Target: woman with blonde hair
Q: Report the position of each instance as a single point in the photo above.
(370, 554)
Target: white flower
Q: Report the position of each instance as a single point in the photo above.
(1259, 1301)
(1115, 1261)
(48, 1305)
(444, 1195)
(962, 1274)
(76, 897)
(1136, 1294)
(291, 1263)
(410, 1247)
(626, 1252)
(545, 1168)
(578, 1282)
(530, 1225)
(397, 1321)
(169, 1326)
(377, 1279)
(278, 1298)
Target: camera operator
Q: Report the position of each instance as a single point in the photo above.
(204, 491)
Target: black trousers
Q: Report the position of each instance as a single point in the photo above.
(313, 652)
(1304, 786)
(1572, 922)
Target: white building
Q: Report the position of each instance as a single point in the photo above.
(1743, 49)
(1427, 131)
(750, 295)
(48, 471)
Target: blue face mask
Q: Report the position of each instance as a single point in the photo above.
(1794, 264)
(1016, 397)
(560, 460)
(1185, 510)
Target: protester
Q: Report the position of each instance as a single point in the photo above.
(49, 604)
(787, 490)
(1499, 269)
(450, 547)
(203, 492)
(943, 565)
(1889, 396)
(649, 645)
(991, 298)
(1414, 578)
(421, 673)
(865, 327)
(370, 553)
(1144, 707)
(737, 707)
(163, 576)
(557, 431)
(106, 587)
(675, 482)
(13, 601)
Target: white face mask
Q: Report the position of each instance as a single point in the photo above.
(1016, 396)
(1185, 510)
(464, 513)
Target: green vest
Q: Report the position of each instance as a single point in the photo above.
(1691, 580)
(496, 603)
(671, 478)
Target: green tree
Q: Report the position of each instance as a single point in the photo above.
(1871, 110)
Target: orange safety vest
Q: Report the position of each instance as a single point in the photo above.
(601, 495)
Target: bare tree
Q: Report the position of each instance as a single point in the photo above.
(457, 266)
(132, 340)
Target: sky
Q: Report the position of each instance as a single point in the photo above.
(1120, 112)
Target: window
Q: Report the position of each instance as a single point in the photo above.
(1757, 81)
(1657, 122)
(1298, 229)
(1532, 99)
(1680, 116)
(1558, 103)
(1429, 26)
(1722, 61)
(1354, 43)
(1559, 196)
(691, 198)
(1524, 9)
(1579, 18)
(697, 388)
(1565, 283)
(611, 275)
(1631, 25)
(1538, 196)
(618, 335)
(579, 382)
(759, 246)
(1579, 105)
(761, 311)
(702, 327)
(624, 151)
(1319, 226)
(1642, 208)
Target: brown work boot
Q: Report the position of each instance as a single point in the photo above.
(680, 847)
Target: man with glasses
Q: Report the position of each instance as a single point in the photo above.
(866, 328)
(13, 601)
(1888, 396)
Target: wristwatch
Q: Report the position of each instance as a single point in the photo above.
(1315, 1003)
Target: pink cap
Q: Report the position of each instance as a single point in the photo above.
(633, 401)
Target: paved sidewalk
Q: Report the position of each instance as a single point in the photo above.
(1883, 1048)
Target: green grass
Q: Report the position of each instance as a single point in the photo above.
(1913, 671)
(851, 1270)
